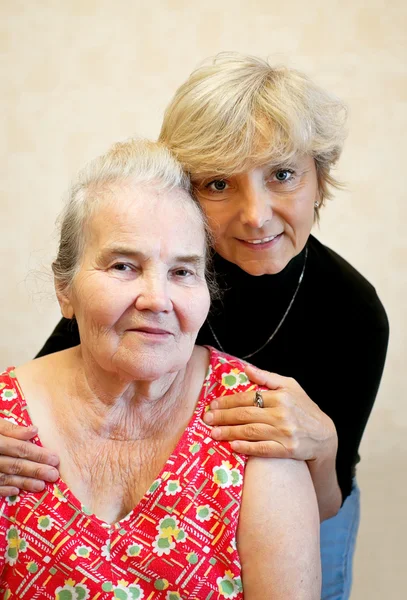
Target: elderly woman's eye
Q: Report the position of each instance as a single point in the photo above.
(283, 175)
(121, 267)
(182, 272)
(217, 185)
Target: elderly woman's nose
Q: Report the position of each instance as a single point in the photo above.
(256, 207)
(154, 295)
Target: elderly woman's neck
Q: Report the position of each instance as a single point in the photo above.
(113, 405)
(94, 405)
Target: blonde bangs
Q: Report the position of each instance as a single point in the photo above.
(239, 113)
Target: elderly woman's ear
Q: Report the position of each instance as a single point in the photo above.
(64, 299)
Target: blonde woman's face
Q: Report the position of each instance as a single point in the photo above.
(261, 219)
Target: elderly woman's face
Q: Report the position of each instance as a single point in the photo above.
(140, 296)
(261, 219)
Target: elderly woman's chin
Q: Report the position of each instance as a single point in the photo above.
(145, 362)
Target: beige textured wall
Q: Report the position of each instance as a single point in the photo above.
(79, 74)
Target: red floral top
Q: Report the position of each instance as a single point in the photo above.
(178, 542)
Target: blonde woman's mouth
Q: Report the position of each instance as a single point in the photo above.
(261, 243)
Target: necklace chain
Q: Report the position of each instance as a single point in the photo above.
(279, 324)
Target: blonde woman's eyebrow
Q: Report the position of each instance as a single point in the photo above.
(289, 164)
(201, 179)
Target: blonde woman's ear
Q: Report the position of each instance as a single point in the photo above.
(317, 206)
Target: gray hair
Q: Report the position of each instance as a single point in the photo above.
(140, 161)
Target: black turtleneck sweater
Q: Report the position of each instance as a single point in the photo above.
(333, 341)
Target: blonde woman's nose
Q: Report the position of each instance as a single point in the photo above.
(256, 207)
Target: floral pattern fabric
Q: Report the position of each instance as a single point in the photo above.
(177, 543)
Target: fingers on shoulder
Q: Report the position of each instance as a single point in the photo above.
(234, 400)
(9, 429)
(264, 449)
(265, 378)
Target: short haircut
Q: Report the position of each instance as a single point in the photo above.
(238, 113)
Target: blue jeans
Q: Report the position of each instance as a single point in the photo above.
(338, 541)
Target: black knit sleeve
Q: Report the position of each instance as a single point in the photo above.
(364, 348)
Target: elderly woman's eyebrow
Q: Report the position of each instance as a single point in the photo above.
(108, 253)
(111, 251)
(195, 259)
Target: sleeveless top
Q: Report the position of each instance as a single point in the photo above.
(178, 542)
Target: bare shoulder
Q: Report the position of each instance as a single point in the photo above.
(38, 374)
(201, 355)
(278, 533)
(198, 364)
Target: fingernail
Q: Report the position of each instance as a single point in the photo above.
(51, 475)
(38, 486)
(208, 418)
(53, 460)
(216, 432)
(214, 404)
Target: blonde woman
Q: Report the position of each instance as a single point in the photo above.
(260, 144)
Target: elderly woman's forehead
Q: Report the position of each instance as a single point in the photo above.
(142, 190)
(147, 195)
(126, 205)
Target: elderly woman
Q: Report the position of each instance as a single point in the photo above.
(147, 505)
(260, 144)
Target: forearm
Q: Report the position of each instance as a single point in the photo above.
(324, 478)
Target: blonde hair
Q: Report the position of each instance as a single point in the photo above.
(141, 162)
(238, 112)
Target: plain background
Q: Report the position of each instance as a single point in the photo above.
(77, 75)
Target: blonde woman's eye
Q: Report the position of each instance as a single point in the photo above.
(217, 185)
(283, 175)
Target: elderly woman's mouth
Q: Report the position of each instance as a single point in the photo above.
(151, 331)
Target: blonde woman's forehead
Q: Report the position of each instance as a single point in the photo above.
(290, 161)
